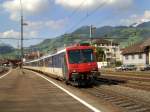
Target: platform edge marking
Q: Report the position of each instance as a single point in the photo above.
(71, 94)
(5, 74)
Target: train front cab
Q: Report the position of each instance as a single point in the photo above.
(81, 65)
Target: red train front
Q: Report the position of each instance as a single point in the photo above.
(82, 68)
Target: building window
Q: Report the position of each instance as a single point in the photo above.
(132, 56)
(126, 57)
(140, 56)
(115, 49)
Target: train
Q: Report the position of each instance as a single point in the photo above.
(75, 65)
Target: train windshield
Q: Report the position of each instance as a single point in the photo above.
(81, 56)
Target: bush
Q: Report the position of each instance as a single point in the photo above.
(118, 63)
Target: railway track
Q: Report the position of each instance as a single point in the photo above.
(127, 73)
(136, 85)
(142, 83)
(126, 83)
(124, 103)
(123, 77)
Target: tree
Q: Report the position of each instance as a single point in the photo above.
(100, 54)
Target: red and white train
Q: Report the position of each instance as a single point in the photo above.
(75, 65)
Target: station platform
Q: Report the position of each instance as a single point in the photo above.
(27, 92)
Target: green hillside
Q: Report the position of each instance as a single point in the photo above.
(126, 36)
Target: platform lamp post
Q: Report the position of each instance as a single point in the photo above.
(22, 24)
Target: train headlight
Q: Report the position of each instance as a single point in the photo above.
(74, 71)
(94, 69)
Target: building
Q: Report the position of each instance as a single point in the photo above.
(110, 48)
(33, 55)
(138, 54)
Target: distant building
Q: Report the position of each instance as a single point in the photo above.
(33, 55)
(110, 48)
(138, 54)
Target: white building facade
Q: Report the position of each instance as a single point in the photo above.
(111, 49)
(138, 59)
(138, 54)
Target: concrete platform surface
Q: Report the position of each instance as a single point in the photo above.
(27, 92)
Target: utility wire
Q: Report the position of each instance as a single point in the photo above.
(24, 38)
(78, 8)
(85, 17)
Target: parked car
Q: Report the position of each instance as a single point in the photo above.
(131, 67)
(126, 67)
(145, 68)
(121, 68)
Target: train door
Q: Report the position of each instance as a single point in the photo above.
(53, 64)
(64, 67)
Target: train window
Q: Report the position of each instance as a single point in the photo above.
(46, 62)
(87, 55)
(81, 56)
(74, 56)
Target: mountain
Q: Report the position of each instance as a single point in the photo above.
(7, 51)
(144, 25)
(125, 35)
(6, 48)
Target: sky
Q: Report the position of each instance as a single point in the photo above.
(52, 18)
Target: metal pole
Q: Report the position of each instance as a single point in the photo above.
(22, 56)
(111, 59)
(91, 34)
(21, 13)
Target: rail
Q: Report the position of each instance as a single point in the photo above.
(128, 73)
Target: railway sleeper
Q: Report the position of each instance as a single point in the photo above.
(109, 98)
(121, 102)
(115, 100)
(142, 110)
(126, 104)
(134, 107)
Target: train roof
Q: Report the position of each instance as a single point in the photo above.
(78, 47)
(47, 56)
(61, 51)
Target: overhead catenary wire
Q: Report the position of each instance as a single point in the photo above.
(87, 16)
(24, 38)
(76, 9)
(74, 12)
(69, 16)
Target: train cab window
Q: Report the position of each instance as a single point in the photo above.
(74, 56)
(81, 56)
(87, 55)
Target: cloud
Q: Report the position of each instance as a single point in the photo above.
(90, 4)
(9, 34)
(14, 34)
(30, 7)
(50, 24)
(137, 18)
